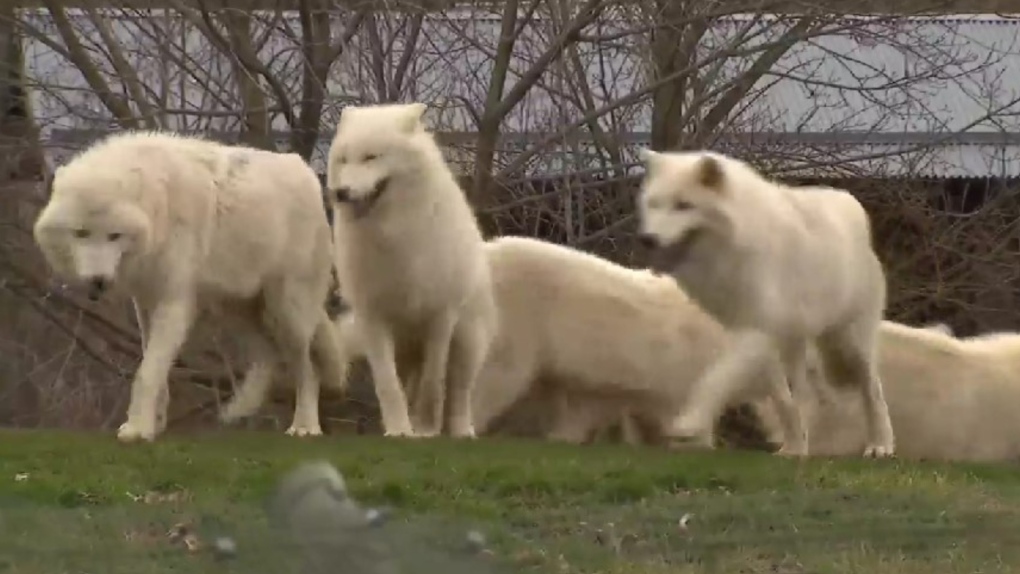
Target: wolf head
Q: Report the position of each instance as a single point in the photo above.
(683, 201)
(375, 147)
(88, 229)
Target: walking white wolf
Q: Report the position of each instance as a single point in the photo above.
(780, 268)
(188, 226)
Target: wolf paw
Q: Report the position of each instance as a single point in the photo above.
(686, 429)
(462, 430)
(301, 431)
(879, 451)
(794, 447)
(402, 433)
(304, 430)
(795, 451)
(137, 430)
(402, 429)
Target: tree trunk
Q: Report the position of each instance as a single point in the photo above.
(21, 157)
(672, 51)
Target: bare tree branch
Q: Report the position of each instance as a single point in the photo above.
(499, 105)
(78, 55)
(244, 51)
(255, 126)
(148, 117)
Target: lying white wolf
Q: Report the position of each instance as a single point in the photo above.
(616, 338)
(949, 399)
(782, 268)
(188, 226)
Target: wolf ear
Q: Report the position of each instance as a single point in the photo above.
(710, 174)
(652, 159)
(411, 120)
(345, 112)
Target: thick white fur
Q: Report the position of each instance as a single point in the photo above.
(941, 328)
(782, 268)
(188, 227)
(410, 262)
(603, 338)
(599, 338)
(949, 399)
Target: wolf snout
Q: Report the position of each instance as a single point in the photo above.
(648, 240)
(97, 286)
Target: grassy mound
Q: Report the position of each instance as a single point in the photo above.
(84, 503)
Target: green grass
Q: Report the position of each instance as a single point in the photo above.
(66, 505)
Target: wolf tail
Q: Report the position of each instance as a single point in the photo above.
(329, 355)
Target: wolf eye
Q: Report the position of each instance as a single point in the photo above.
(81, 233)
(114, 236)
(371, 157)
(682, 206)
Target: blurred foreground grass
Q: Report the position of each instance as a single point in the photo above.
(77, 503)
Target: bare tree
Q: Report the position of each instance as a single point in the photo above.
(254, 74)
(691, 74)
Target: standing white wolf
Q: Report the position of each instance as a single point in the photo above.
(187, 227)
(410, 263)
(781, 268)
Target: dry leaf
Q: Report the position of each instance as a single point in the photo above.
(529, 557)
(141, 535)
(154, 497)
(178, 532)
(192, 543)
(87, 497)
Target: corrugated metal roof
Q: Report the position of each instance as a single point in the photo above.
(867, 91)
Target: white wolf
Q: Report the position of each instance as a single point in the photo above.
(410, 263)
(781, 268)
(613, 338)
(949, 399)
(188, 226)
